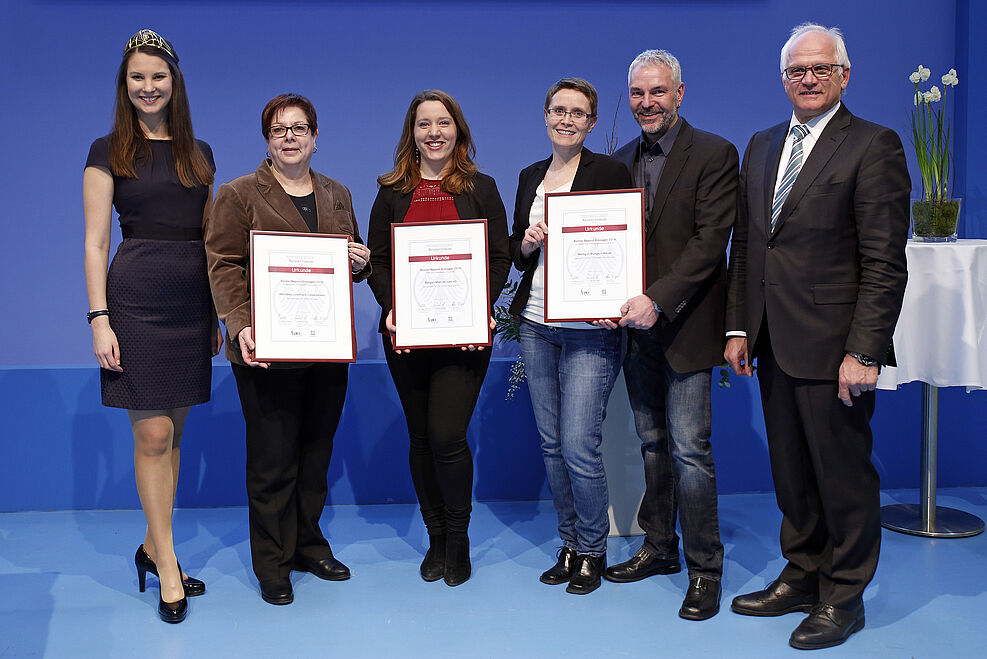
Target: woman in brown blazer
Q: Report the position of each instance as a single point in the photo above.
(291, 409)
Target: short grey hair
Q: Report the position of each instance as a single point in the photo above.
(657, 58)
(841, 55)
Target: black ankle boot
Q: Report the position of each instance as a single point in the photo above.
(457, 568)
(586, 578)
(434, 566)
(562, 571)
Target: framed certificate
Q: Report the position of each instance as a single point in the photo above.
(301, 301)
(594, 253)
(440, 289)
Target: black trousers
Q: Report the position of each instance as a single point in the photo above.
(438, 388)
(826, 485)
(291, 416)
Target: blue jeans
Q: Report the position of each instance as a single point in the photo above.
(672, 417)
(570, 375)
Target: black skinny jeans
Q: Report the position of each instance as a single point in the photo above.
(438, 388)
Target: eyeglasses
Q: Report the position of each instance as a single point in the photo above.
(298, 130)
(576, 115)
(819, 71)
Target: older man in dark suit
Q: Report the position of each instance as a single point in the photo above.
(675, 334)
(817, 275)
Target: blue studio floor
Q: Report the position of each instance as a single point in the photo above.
(68, 589)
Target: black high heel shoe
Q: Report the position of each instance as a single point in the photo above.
(144, 565)
(173, 612)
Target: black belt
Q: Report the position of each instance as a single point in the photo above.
(157, 232)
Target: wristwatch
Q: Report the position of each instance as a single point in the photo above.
(865, 360)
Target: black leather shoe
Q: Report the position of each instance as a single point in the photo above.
(434, 566)
(586, 578)
(144, 565)
(277, 591)
(702, 600)
(642, 565)
(324, 568)
(827, 626)
(562, 571)
(173, 612)
(458, 568)
(776, 600)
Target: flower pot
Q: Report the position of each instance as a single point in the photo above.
(935, 221)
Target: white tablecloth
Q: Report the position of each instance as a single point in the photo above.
(941, 336)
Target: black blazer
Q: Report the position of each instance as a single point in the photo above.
(692, 214)
(831, 276)
(391, 206)
(595, 172)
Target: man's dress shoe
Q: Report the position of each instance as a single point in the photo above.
(776, 600)
(324, 568)
(827, 626)
(277, 591)
(642, 565)
(702, 600)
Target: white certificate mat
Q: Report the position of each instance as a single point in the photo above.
(301, 297)
(440, 289)
(594, 253)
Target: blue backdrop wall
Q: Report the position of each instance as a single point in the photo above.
(360, 63)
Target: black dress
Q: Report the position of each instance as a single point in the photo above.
(157, 289)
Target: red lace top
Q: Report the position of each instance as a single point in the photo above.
(430, 203)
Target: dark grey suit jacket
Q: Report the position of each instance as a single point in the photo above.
(692, 214)
(831, 276)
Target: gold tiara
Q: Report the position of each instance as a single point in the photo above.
(151, 39)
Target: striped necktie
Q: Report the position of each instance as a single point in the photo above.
(791, 173)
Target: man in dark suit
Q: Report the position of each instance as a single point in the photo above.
(675, 329)
(817, 274)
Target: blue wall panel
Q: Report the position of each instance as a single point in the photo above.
(62, 450)
(361, 63)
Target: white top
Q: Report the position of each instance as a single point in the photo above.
(816, 125)
(534, 310)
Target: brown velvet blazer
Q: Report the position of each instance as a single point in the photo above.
(258, 202)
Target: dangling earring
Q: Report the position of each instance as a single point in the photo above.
(418, 156)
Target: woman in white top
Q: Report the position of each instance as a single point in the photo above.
(571, 367)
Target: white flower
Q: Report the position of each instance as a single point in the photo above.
(924, 72)
(950, 79)
(919, 98)
(935, 94)
(914, 78)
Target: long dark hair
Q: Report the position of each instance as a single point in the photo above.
(407, 171)
(128, 144)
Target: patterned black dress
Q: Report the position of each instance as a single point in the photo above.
(157, 289)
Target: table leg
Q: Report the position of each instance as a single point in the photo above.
(927, 519)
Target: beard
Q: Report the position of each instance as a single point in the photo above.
(657, 130)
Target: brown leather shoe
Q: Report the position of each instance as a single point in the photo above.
(827, 626)
(642, 565)
(702, 601)
(776, 600)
